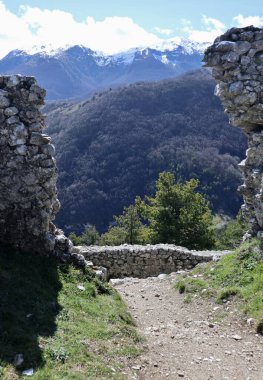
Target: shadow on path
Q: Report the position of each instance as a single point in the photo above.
(29, 286)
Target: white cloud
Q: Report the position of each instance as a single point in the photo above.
(211, 29)
(165, 32)
(13, 31)
(35, 26)
(56, 28)
(212, 23)
(186, 25)
(242, 21)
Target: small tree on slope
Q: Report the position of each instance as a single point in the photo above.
(178, 214)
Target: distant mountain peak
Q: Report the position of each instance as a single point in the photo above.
(74, 71)
(177, 42)
(166, 45)
(49, 51)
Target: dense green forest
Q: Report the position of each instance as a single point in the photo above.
(112, 147)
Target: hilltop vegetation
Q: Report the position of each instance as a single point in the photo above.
(112, 147)
(177, 214)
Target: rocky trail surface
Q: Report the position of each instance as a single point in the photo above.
(195, 341)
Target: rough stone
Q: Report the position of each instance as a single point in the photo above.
(144, 261)
(39, 138)
(240, 88)
(18, 134)
(48, 149)
(18, 360)
(4, 102)
(12, 120)
(236, 87)
(13, 80)
(28, 174)
(242, 47)
(226, 46)
(11, 111)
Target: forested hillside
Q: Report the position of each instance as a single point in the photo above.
(112, 147)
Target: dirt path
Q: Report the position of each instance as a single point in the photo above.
(196, 341)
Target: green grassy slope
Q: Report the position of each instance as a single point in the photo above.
(238, 276)
(63, 332)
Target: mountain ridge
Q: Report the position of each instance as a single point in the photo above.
(76, 71)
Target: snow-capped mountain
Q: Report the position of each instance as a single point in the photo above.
(77, 71)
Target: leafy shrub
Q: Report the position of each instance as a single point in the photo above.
(89, 237)
(128, 229)
(114, 236)
(60, 354)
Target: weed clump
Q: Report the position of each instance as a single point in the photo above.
(227, 293)
(180, 286)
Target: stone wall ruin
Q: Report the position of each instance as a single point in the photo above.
(144, 261)
(237, 61)
(28, 173)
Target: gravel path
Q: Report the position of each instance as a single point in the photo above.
(195, 341)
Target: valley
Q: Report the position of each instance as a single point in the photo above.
(112, 147)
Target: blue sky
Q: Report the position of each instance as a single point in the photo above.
(150, 13)
(114, 25)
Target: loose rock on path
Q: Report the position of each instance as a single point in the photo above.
(192, 341)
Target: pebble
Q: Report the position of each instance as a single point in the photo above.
(136, 367)
(237, 337)
(28, 372)
(18, 360)
(250, 321)
(162, 276)
(116, 281)
(180, 374)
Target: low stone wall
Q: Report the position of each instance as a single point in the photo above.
(145, 261)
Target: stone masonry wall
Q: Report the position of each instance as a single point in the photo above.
(144, 261)
(28, 173)
(237, 61)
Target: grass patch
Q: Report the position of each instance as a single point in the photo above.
(180, 285)
(63, 332)
(227, 293)
(190, 285)
(238, 275)
(188, 299)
